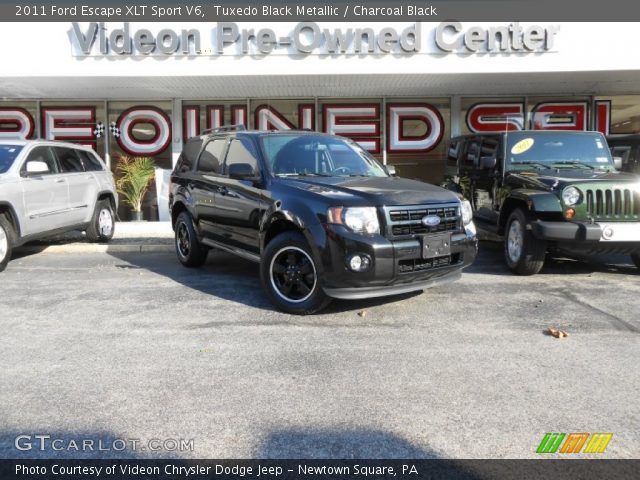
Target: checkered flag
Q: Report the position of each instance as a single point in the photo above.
(99, 131)
(115, 131)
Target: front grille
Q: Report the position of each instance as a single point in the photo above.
(406, 221)
(613, 204)
(422, 264)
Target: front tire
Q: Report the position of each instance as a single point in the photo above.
(102, 224)
(635, 257)
(290, 277)
(6, 241)
(188, 249)
(523, 253)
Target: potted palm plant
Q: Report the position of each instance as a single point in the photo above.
(134, 174)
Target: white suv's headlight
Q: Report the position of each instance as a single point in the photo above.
(357, 219)
(571, 196)
(467, 212)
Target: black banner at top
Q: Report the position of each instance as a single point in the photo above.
(316, 11)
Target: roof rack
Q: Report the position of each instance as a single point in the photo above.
(227, 128)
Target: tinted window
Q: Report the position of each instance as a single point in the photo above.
(90, 161)
(211, 157)
(8, 154)
(489, 148)
(242, 152)
(452, 154)
(69, 160)
(189, 155)
(471, 155)
(42, 154)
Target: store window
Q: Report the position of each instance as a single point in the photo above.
(624, 113)
(497, 114)
(417, 133)
(18, 120)
(76, 122)
(141, 129)
(283, 114)
(200, 115)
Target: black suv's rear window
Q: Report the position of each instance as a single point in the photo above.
(189, 155)
(8, 154)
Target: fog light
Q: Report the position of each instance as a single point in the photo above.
(359, 263)
(570, 213)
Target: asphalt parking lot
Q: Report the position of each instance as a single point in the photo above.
(106, 346)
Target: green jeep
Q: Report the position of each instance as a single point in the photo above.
(548, 190)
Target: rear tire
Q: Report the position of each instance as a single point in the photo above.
(102, 223)
(635, 257)
(290, 277)
(188, 249)
(523, 253)
(7, 236)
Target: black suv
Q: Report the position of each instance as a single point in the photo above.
(546, 190)
(321, 216)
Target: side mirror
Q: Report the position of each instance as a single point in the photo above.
(487, 163)
(35, 167)
(241, 171)
(617, 161)
(391, 170)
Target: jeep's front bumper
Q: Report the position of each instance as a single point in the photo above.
(397, 266)
(601, 236)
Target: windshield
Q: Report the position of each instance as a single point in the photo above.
(8, 154)
(318, 155)
(557, 150)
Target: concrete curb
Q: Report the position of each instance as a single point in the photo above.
(97, 248)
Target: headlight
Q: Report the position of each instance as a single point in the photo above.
(357, 219)
(467, 212)
(570, 195)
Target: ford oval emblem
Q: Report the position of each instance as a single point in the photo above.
(431, 220)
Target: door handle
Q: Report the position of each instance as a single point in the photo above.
(222, 190)
(60, 180)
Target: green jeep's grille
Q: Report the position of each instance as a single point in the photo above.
(617, 204)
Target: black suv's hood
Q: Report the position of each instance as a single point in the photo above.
(563, 177)
(371, 190)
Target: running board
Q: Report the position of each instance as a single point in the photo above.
(236, 251)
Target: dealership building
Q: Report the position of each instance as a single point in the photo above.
(401, 89)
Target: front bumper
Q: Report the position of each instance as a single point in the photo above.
(586, 232)
(397, 266)
(603, 237)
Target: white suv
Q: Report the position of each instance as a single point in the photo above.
(49, 187)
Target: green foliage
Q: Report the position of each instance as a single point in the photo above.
(134, 174)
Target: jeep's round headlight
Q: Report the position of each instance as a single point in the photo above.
(466, 211)
(357, 219)
(570, 196)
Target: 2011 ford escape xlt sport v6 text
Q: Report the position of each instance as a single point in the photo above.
(321, 216)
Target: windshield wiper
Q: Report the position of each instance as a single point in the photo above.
(533, 164)
(575, 162)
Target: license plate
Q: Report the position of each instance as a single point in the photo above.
(620, 232)
(436, 245)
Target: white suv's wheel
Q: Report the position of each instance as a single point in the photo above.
(102, 224)
(6, 239)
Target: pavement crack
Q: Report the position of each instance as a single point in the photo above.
(619, 323)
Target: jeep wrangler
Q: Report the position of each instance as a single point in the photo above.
(544, 190)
